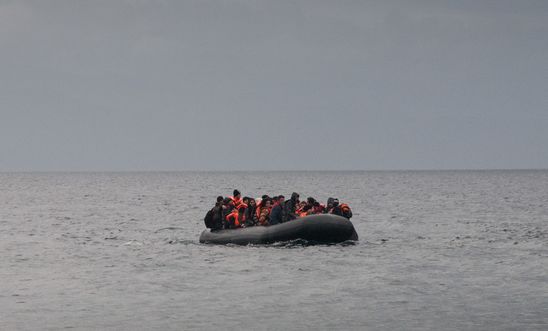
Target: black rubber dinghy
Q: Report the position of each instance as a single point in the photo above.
(322, 229)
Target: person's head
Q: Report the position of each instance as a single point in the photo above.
(245, 200)
(252, 202)
(220, 199)
(295, 196)
(301, 204)
(335, 202)
(227, 201)
(310, 200)
(264, 197)
(274, 199)
(329, 203)
(281, 198)
(268, 203)
(316, 204)
(236, 194)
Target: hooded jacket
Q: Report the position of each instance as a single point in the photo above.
(290, 207)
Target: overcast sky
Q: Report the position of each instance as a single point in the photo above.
(273, 85)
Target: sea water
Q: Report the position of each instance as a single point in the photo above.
(438, 250)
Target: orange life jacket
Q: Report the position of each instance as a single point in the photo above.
(233, 218)
(258, 208)
(236, 201)
(265, 221)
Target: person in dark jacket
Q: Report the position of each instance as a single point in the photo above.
(290, 206)
(227, 207)
(218, 214)
(276, 215)
(213, 218)
(251, 218)
(329, 205)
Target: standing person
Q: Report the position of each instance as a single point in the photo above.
(251, 218)
(264, 214)
(290, 207)
(276, 215)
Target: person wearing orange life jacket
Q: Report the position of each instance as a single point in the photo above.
(236, 198)
(309, 207)
(300, 207)
(264, 214)
(236, 218)
(305, 211)
(318, 208)
(260, 204)
(342, 210)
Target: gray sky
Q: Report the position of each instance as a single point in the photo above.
(277, 85)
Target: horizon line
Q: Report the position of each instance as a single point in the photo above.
(270, 170)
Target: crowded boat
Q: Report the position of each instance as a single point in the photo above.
(243, 212)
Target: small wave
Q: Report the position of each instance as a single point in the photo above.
(174, 241)
(169, 228)
(132, 243)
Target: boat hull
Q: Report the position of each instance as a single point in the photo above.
(323, 229)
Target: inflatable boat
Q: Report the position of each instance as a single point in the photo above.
(322, 229)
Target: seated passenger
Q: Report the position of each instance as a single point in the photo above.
(300, 207)
(264, 213)
(305, 211)
(251, 218)
(227, 207)
(318, 208)
(236, 198)
(329, 205)
(237, 217)
(276, 214)
(214, 217)
(290, 207)
(260, 204)
(342, 210)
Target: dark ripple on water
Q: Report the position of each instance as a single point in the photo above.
(437, 250)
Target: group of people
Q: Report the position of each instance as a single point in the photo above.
(235, 212)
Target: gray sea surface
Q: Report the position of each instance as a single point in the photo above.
(438, 250)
